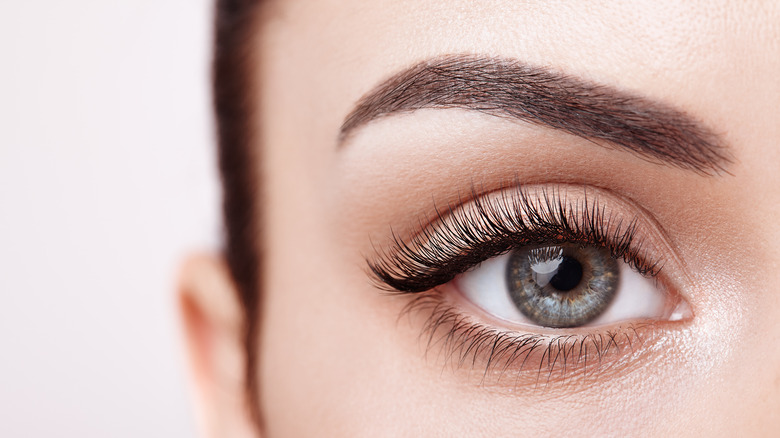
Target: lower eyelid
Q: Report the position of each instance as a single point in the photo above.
(517, 358)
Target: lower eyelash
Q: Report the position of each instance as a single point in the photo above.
(535, 359)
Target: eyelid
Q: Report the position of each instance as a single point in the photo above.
(406, 257)
(514, 357)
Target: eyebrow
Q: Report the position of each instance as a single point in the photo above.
(508, 88)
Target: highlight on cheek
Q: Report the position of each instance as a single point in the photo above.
(547, 277)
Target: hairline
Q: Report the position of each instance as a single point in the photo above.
(233, 67)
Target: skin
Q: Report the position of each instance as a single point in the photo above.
(335, 356)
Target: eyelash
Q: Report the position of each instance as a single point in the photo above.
(463, 237)
(464, 342)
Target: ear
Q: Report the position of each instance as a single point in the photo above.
(212, 319)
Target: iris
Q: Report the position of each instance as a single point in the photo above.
(562, 285)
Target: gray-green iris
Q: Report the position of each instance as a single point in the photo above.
(562, 285)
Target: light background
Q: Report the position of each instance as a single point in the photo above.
(106, 180)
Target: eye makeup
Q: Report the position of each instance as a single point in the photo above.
(539, 223)
(485, 227)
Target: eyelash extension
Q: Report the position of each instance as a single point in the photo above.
(465, 343)
(463, 237)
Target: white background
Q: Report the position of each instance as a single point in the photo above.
(106, 180)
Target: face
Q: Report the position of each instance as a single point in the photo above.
(517, 218)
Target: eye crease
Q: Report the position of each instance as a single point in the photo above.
(543, 271)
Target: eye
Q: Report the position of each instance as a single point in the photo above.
(539, 279)
(564, 286)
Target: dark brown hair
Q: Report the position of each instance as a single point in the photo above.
(234, 27)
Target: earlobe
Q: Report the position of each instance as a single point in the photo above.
(212, 323)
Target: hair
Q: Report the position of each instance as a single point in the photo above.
(232, 73)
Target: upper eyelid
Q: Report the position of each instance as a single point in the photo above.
(646, 226)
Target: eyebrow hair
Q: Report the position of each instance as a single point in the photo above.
(509, 88)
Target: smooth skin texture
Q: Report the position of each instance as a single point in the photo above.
(336, 358)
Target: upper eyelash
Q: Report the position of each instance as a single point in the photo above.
(464, 237)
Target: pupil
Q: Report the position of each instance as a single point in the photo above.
(568, 275)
